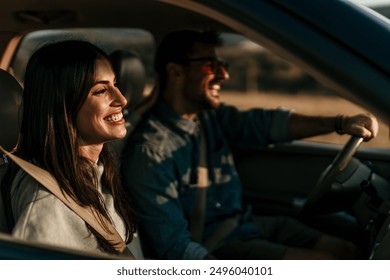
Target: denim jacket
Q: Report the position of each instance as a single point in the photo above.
(159, 171)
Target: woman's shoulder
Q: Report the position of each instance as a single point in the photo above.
(25, 186)
(41, 216)
(25, 191)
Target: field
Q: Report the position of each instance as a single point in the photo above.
(303, 103)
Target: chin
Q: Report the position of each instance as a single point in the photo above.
(214, 104)
(120, 134)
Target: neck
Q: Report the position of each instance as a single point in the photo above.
(170, 98)
(91, 152)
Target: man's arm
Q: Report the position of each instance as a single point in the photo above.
(363, 125)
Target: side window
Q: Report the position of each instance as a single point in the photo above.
(259, 78)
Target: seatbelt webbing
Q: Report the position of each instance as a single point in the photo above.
(199, 208)
(88, 214)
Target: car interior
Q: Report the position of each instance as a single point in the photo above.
(321, 181)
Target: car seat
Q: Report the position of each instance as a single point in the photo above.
(131, 79)
(10, 95)
(130, 75)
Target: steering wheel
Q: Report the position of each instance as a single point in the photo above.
(323, 186)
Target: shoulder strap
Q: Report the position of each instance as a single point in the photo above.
(88, 214)
(198, 214)
(199, 209)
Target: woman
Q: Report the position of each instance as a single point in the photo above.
(71, 109)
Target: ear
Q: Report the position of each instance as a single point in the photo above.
(174, 70)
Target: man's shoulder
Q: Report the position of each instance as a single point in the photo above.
(153, 134)
(150, 129)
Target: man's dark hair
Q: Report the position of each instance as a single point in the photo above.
(176, 47)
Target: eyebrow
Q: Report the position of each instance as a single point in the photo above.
(105, 82)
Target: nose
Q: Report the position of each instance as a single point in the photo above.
(118, 98)
(222, 73)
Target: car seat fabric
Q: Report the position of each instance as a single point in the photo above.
(3, 217)
(10, 95)
(131, 75)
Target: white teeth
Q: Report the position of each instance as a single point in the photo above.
(214, 90)
(216, 87)
(114, 117)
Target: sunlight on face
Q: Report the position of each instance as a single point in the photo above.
(203, 83)
(100, 118)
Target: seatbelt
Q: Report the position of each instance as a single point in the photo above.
(88, 214)
(199, 208)
(198, 213)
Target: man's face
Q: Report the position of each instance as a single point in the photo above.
(204, 77)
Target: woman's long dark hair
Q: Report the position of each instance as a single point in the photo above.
(57, 82)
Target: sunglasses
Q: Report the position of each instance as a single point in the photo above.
(215, 65)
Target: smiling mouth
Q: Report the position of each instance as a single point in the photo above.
(114, 118)
(215, 90)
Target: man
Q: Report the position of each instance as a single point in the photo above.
(186, 142)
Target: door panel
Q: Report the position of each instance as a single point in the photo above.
(276, 179)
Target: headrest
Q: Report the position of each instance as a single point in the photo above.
(131, 75)
(10, 96)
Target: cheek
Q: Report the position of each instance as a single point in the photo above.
(83, 123)
(206, 70)
(87, 117)
(200, 81)
(201, 74)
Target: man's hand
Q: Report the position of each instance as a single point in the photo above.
(363, 125)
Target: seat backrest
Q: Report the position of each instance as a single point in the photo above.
(131, 75)
(10, 95)
(3, 216)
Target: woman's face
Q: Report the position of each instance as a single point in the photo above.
(100, 118)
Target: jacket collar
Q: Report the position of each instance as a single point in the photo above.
(169, 115)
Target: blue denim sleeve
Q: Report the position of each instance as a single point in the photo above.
(149, 178)
(279, 127)
(255, 127)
